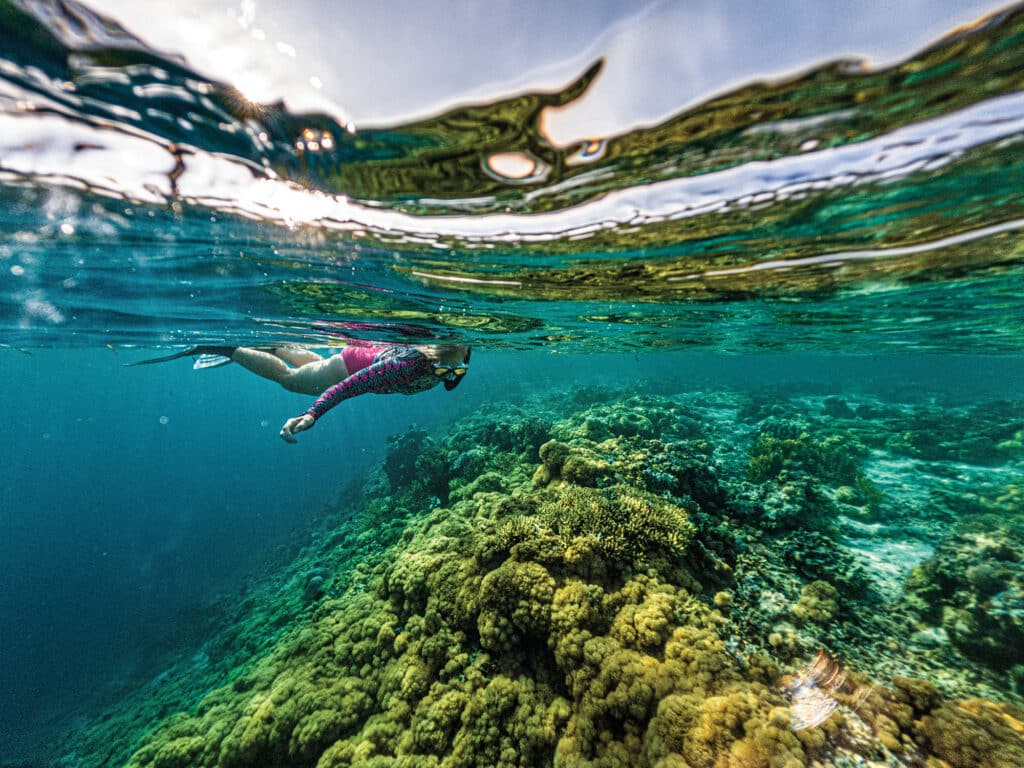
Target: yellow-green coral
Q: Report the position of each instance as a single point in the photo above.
(628, 525)
(728, 730)
(817, 603)
(509, 655)
(646, 625)
(579, 464)
(569, 621)
(975, 732)
(515, 604)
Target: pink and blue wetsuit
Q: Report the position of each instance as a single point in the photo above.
(381, 370)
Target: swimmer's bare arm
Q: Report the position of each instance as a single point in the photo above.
(382, 375)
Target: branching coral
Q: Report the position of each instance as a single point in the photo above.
(628, 525)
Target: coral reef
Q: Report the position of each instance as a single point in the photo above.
(614, 581)
(975, 732)
(973, 587)
(817, 603)
(912, 718)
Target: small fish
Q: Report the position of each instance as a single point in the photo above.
(811, 691)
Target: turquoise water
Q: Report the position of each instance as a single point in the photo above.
(775, 335)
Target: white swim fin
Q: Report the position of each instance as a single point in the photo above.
(209, 361)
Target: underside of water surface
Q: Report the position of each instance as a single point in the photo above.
(840, 208)
(608, 553)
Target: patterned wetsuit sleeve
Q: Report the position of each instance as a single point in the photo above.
(386, 375)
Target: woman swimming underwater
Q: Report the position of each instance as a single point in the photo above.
(356, 370)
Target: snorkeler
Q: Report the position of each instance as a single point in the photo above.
(356, 370)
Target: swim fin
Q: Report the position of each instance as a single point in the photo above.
(223, 353)
(210, 361)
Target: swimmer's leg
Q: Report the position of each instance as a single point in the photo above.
(297, 356)
(315, 377)
(311, 378)
(265, 364)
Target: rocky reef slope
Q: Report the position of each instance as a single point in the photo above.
(613, 579)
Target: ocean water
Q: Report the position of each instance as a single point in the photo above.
(735, 479)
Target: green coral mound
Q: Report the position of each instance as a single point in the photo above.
(624, 584)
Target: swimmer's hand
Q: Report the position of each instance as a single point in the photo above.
(297, 424)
